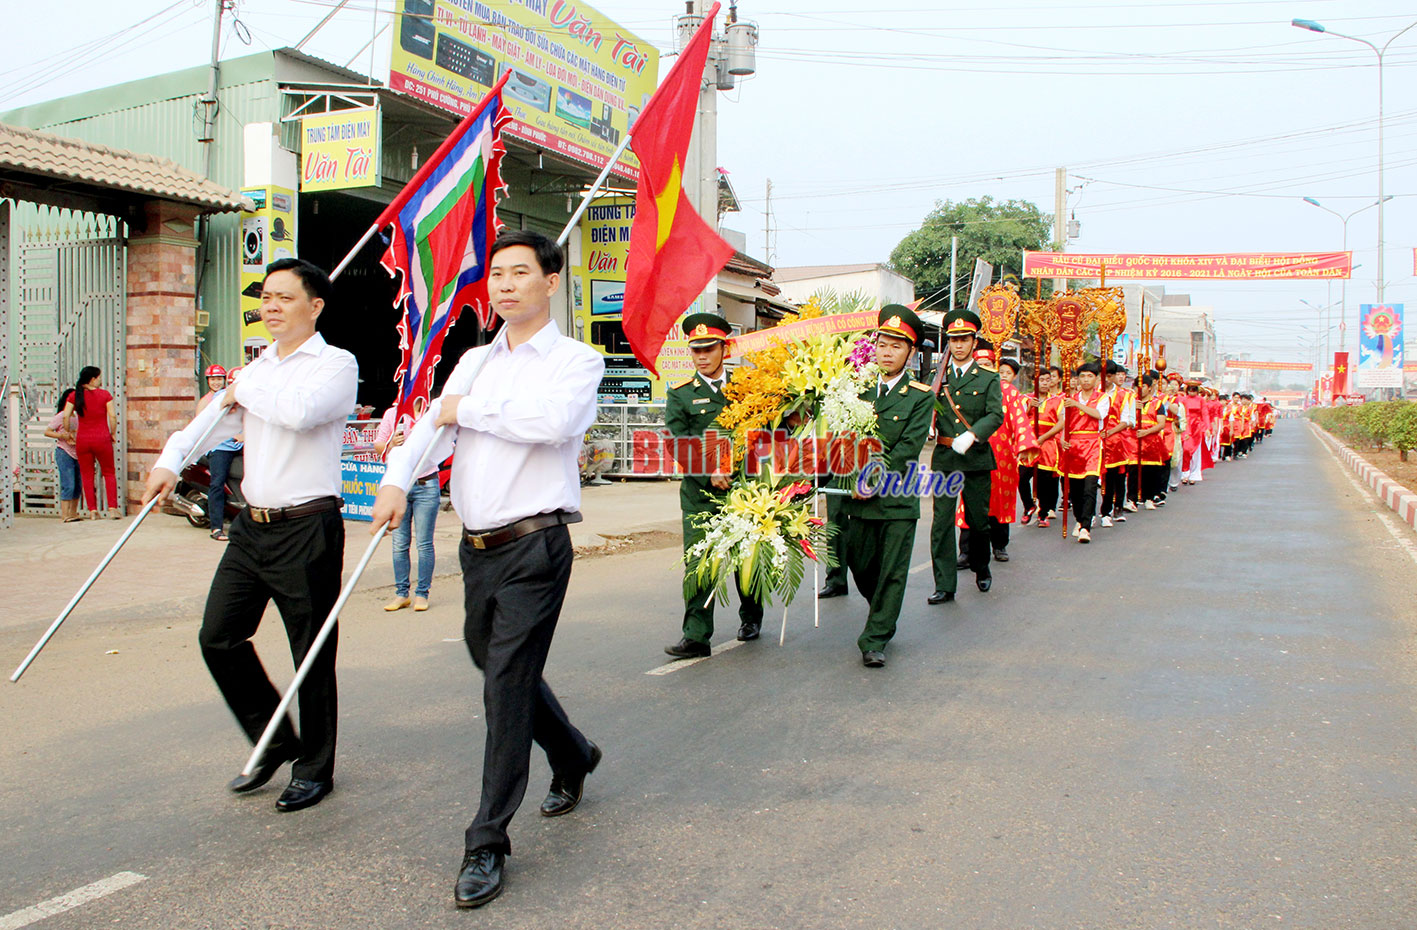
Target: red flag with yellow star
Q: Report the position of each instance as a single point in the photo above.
(673, 252)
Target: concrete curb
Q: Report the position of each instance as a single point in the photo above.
(1402, 501)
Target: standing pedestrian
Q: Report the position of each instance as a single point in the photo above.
(66, 460)
(97, 424)
(219, 459)
(515, 412)
(290, 403)
(421, 515)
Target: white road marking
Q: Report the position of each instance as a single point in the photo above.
(683, 663)
(1378, 505)
(919, 568)
(69, 901)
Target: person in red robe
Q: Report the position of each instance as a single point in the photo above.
(1197, 425)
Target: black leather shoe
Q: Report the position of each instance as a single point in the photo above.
(565, 793)
(749, 632)
(688, 649)
(262, 773)
(962, 563)
(831, 590)
(303, 793)
(873, 659)
(940, 597)
(984, 584)
(480, 878)
(1001, 555)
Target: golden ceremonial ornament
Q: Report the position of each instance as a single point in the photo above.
(998, 310)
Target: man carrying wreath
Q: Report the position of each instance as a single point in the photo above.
(880, 528)
(691, 409)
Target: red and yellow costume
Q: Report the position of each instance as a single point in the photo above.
(1154, 448)
(1119, 448)
(1083, 456)
(1049, 452)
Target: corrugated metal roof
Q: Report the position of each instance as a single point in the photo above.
(43, 154)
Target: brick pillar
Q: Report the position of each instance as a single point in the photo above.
(161, 335)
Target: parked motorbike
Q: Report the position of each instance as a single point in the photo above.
(193, 486)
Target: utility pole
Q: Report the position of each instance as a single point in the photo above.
(767, 224)
(209, 102)
(731, 57)
(1060, 209)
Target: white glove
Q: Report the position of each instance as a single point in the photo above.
(962, 442)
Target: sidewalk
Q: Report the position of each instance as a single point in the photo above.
(166, 567)
(1398, 498)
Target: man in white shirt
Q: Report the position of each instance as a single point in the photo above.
(515, 412)
(288, 545)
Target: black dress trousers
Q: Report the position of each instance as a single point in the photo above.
(297, 564)
(513, 596)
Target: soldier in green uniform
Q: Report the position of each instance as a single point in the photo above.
(880, 524)
(971, 407)
(692, 408)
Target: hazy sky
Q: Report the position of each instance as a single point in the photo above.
(1185, 125)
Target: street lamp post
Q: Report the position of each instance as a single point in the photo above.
(1312, 26)
(1343, 287)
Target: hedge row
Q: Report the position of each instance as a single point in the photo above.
(1390, 423)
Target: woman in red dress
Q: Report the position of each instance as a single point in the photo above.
(97, 422)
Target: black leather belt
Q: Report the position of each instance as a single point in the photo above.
(491, 539)
(427, 478)
(276, 514)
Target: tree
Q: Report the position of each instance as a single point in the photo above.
(997, 232)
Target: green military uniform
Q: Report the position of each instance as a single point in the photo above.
(977, 394)
(836, 576)
(691, 408)
(880, 530)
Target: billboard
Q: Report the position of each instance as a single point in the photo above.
(1380, 346)
(340, 150)
(1136, 266)
(578, 80)
(266, 235)
(598, 294)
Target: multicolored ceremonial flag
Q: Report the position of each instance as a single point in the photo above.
(443, 222)
(673, 252)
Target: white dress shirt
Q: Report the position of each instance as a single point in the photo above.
(292, 411)
(714, 384)
(518, 441)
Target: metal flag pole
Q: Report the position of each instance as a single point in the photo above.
(142, 514)
(328, 627)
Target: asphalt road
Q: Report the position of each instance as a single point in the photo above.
(1204, 719)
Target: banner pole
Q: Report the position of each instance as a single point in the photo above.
(329, 625)
(368, 234)
(594, 189)
(142, 514)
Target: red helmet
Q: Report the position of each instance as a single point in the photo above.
(216, 371)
